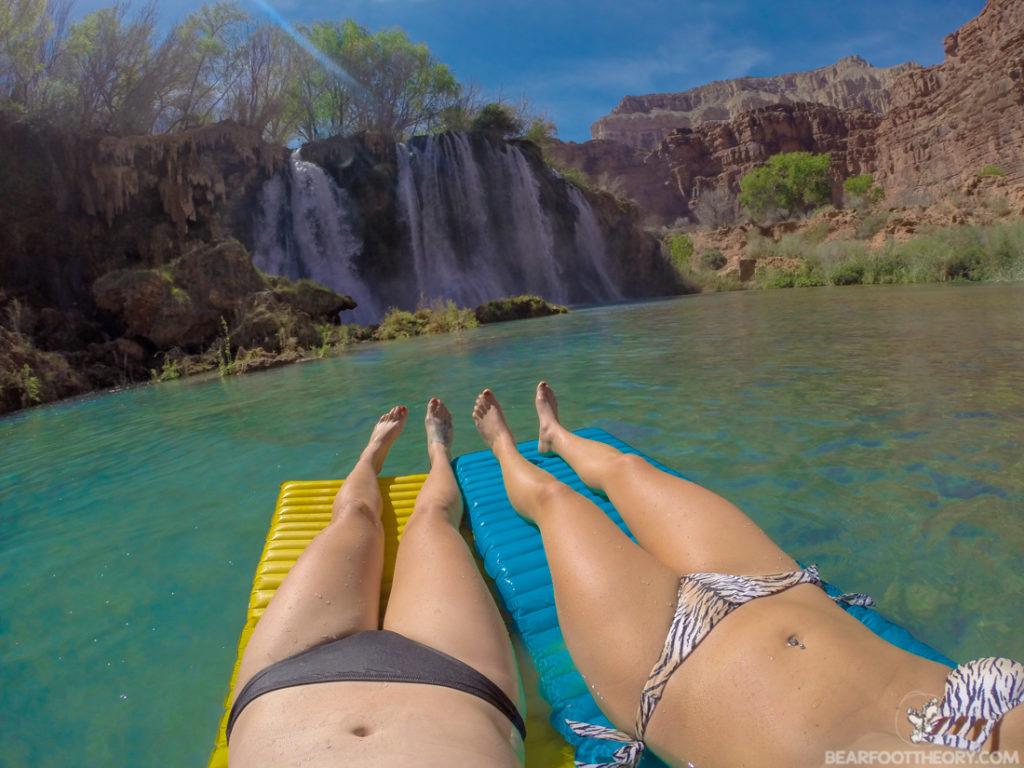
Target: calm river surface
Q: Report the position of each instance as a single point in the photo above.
(875, 431)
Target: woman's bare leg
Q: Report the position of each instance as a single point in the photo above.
(333, 590)
(684, 525)
(439, 597)
(614, 600)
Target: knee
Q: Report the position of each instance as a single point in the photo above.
(356, 510)
(552, 493)
(429, 514)
(627, 464)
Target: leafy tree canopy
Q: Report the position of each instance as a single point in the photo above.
(789, 183)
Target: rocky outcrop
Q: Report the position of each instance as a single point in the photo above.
(947, 121)
(643, 122)
(694, 173)
(194, 299)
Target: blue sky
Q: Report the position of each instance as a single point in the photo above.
(574, 60)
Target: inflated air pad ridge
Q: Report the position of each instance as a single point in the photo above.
(513, 555)
(303, 509)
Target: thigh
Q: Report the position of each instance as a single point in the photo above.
(333, 590)
(688, 527)
(615, 601)
(439, 598)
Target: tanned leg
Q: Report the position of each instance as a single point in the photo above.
(439, 597)
(614, 600)
(333, 590)
(684, 525)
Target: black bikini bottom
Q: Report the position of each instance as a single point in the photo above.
(375, 656)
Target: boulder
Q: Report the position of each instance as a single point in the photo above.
(189, 303)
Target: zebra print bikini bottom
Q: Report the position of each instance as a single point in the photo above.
(703, 600)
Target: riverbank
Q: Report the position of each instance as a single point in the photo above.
(976, 235)
(32, 376)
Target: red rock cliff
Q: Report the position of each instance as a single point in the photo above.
(942, 125)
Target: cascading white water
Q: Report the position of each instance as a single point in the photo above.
(591, 245)
(479, 224)
(476, 227)
(305, 231)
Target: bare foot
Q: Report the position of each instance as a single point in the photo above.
(490, 421)
(439, 426)
(384, 434)
(547, 415)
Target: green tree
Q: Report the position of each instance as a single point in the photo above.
(210, 43)
(862, 190)
(789, 183)
(114, 74)
(498, 119)
(380, 82)
(21, 22)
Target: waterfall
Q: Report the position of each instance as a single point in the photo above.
(473, 241)
(479, 221)
(591, 246)
(306, 231)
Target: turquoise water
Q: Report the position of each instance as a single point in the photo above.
(875, 431)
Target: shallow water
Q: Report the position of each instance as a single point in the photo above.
(875, 431)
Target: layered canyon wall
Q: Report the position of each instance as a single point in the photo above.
(642, 122)
(923, 133)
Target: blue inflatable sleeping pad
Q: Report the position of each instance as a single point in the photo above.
(513, 555)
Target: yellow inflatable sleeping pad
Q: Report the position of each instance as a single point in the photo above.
(303, 509)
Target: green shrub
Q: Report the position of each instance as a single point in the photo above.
(850, 273)
(31, 384)
(990, 170)
(680, 251)
(790, 182)
(870, 224)
(516, 308)
(712, 259)
(497, 119)
(862, 190)
(808, 275)
(399, 324)
(541, 132)
(170, 370)
(574, 176)
(817, 232)
(446, 317)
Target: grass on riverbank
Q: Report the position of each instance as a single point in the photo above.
(967, 252)
(975, 253)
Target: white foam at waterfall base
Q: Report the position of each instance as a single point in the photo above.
(305, 231)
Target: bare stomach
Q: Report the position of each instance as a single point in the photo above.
(377, 725)
(783, 679)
